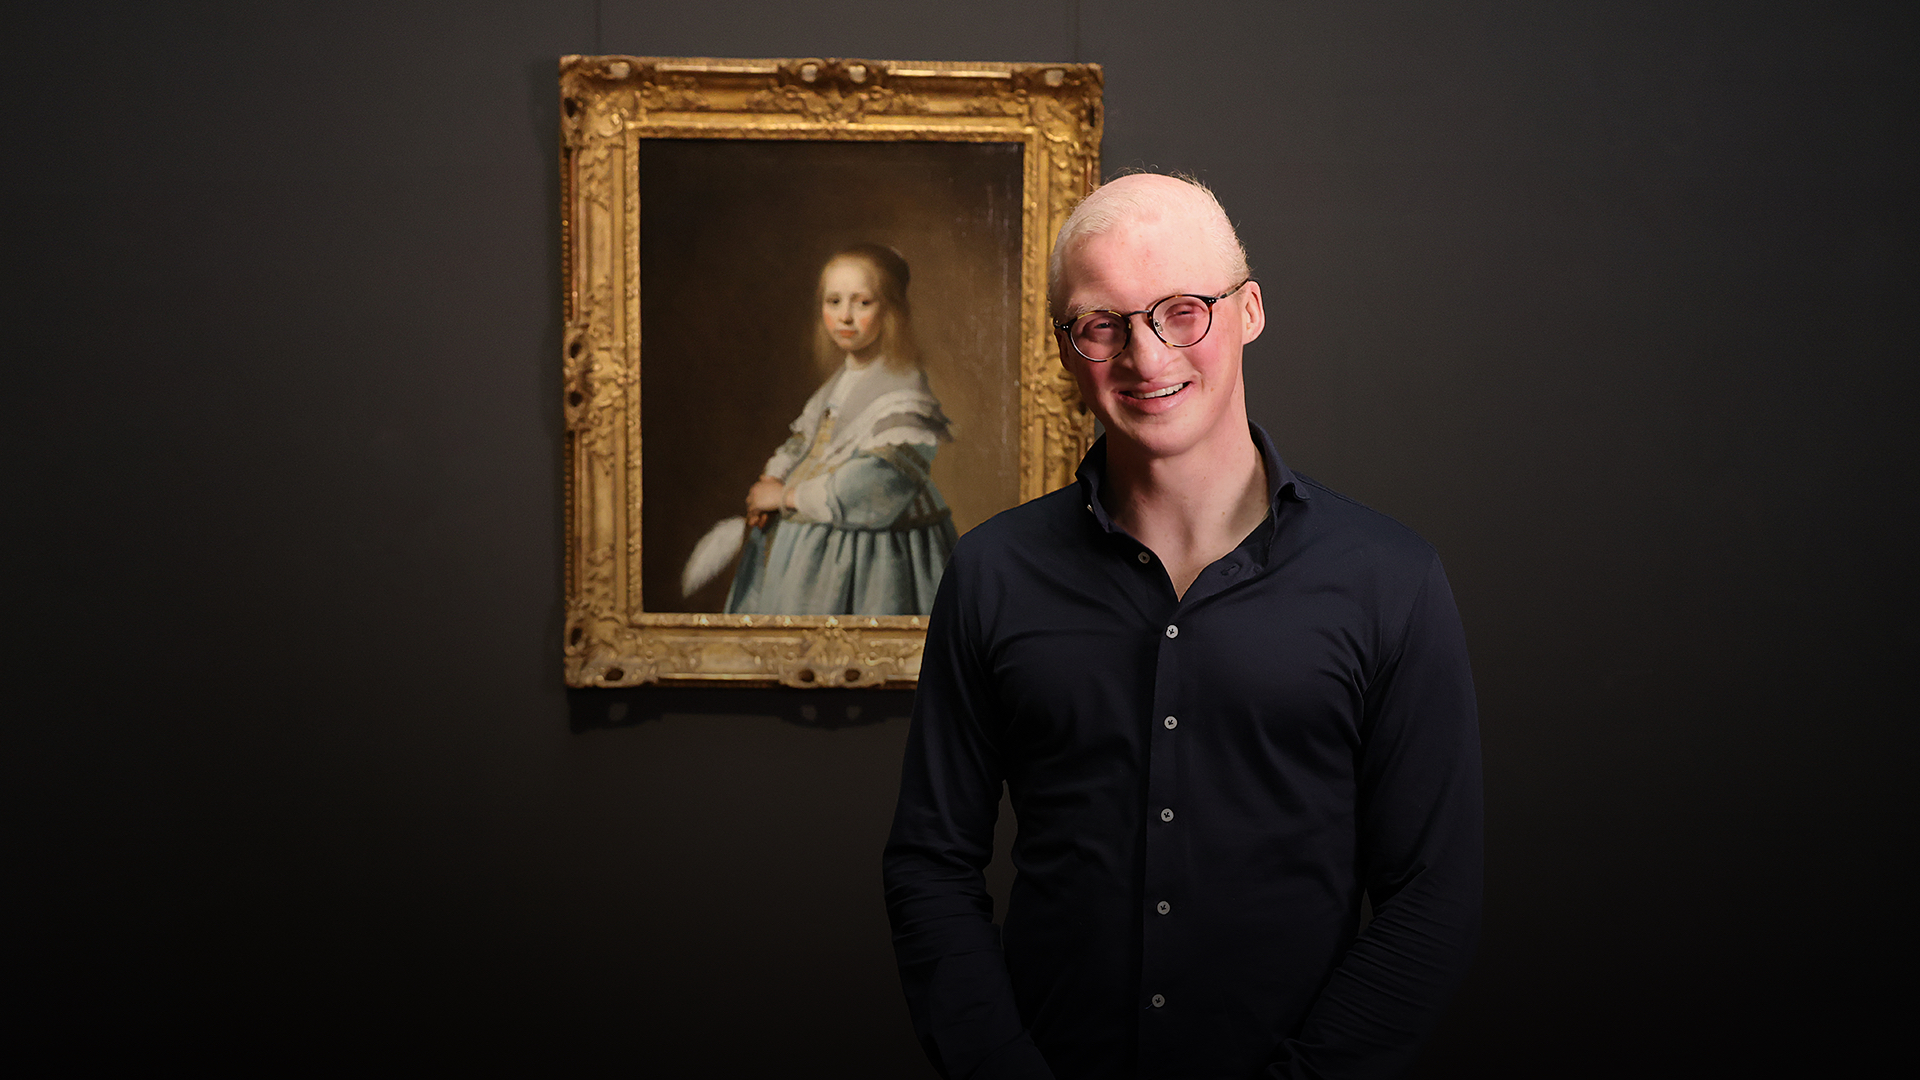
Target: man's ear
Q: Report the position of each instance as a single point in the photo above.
(1253, 312)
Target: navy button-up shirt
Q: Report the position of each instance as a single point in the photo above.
(1204, 786)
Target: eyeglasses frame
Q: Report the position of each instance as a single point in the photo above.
(1126, 320)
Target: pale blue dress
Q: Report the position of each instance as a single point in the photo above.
(871, 534)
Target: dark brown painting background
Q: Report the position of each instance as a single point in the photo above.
(733, 235)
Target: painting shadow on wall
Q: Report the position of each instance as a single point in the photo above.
(829, 710)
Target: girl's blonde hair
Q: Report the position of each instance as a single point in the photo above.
(898, 350)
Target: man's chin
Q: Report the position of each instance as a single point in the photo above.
(1160, 436)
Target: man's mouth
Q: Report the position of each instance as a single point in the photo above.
(1168, 392)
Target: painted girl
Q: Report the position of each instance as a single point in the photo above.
(845, 518)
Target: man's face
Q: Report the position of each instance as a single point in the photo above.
(1163, 400)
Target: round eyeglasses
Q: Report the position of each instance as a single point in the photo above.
(1180, 320)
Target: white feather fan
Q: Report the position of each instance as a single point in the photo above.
(712, 554)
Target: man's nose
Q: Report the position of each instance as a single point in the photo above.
(1146, 354)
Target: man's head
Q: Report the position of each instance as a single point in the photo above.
(1130, 244)
(1141, 195)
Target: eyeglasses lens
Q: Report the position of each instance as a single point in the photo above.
(1182, 320)
(1179, 320)
(1100, 335)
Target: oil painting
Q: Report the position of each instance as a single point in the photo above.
(806, 350)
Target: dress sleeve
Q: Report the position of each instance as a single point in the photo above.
(785, 458)
(948, 949)
(870, 490)
(1421, 850)
(803, 428)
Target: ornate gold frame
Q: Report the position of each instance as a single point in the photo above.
(608, 104)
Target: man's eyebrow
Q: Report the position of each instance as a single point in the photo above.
(1074, 311)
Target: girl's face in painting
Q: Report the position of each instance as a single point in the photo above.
(850, 306)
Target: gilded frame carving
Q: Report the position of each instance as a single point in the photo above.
(607, 105)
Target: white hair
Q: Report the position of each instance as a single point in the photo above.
(1138, 196)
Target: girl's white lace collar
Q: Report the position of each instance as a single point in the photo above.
(850, 376)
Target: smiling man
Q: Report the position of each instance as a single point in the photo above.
(1226, 703)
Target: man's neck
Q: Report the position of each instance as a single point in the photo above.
(1193, 508)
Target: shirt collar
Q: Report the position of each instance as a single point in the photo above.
(1281, 481)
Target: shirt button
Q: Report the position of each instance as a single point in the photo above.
(1171, 723)
(1144, 557)
(1158, 1001)
(1173, 631)
(1167, 814)
(1163, 907)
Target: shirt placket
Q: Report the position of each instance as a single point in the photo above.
(1167, 991)
(1163, 975)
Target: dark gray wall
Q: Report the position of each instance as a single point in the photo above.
(1615, 302)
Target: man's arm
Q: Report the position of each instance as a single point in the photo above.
(943, 934)
(1420, 856)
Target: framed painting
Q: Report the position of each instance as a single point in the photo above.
(806, 347)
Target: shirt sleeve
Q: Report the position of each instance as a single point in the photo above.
(1420, 857)
(948, 949)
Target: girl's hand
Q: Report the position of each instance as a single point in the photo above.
(765, 498)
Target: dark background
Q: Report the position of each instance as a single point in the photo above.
(1615, 302)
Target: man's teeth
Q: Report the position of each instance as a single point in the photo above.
(1163, 393)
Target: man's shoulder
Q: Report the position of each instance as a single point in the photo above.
(1044, 516)
(1342, 519)
(1043, 524)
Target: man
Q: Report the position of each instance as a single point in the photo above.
(1225, 701)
